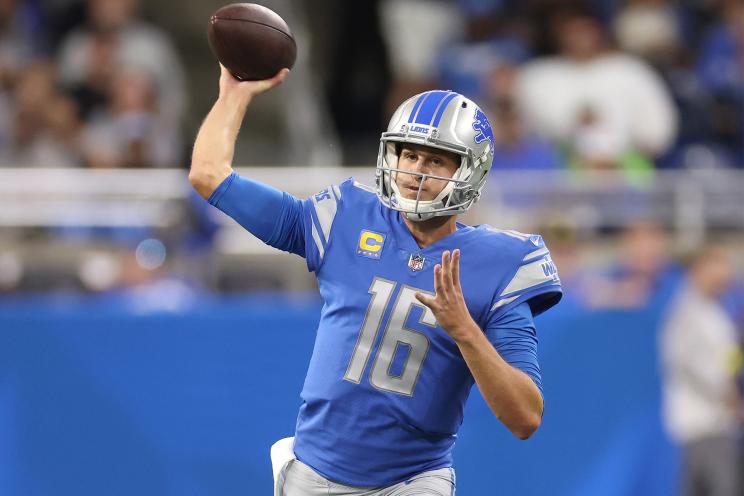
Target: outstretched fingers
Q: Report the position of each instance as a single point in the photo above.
(447, 270)
(446, 280)
(456, 268)
(438, 279)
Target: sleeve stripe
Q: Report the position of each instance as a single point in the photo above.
(527, 276)
(326, 212)
(503, 302)
(337, 192)
(316, 238)
(536, 253)
(516, 234)
(364, 187)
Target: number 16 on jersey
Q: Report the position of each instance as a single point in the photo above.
(396, 333)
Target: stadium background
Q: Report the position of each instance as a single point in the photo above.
(148, 346)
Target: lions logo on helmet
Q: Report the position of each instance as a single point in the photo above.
(483, 128)
(447, 121)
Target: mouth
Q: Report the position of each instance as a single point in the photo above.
(411, 192)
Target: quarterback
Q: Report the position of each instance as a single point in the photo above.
(417, 306)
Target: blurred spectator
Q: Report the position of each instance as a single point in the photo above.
(515, 146)
(597, 145)
(44, 127)
(721, 69)
(491, 46)
(721, 62)
(415, 31)
(21, 42)
(668, 35)
(649, 28)
(116, 41)
(130, 132)
(94, 93)
(604, 104)
(643, 275)
(22, 36)
(702, 408)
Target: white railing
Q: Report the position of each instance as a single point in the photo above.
(689, 202)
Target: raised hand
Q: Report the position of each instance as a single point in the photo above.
(448, 304)
(247, 89)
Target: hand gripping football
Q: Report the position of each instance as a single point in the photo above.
(251, 41)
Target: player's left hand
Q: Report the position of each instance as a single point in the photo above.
(448, 304)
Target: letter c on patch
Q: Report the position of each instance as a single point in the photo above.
(371, 242)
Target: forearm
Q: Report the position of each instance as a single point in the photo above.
(214, 147)
(510, 393)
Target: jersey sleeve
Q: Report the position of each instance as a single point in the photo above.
(534, 281)
(514, 336)
(271, 215)
(302, 227)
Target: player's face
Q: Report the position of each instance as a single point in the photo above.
(424, 160)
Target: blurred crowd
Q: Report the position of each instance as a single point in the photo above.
(87, 84)
(629, 85)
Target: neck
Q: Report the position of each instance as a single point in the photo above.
(432, 230)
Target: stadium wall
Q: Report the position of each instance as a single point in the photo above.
(105, 396)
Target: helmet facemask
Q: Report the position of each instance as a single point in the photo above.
(456, 196)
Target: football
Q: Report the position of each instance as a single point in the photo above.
(251, 41)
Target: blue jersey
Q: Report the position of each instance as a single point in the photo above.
(386, 386)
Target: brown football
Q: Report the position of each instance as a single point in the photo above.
(251, 41)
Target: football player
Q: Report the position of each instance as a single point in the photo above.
(417, 306)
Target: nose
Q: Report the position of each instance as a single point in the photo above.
(420, 166)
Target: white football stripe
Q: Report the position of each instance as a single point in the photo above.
(516, 234)
(503, 302)
(316, 238)
(527, 276)
(326, 210)
(536, 253)
(363, 186)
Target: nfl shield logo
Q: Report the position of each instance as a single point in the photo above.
(416, 262)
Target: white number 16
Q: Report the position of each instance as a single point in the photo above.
(396, 333)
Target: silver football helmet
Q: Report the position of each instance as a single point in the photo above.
(447, 121)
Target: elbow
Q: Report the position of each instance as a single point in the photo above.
(527, 426)
(202, 182)
(197, 179)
